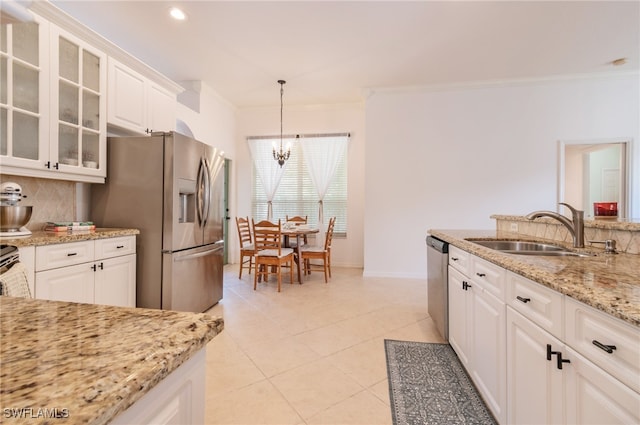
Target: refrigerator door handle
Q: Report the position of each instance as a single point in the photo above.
(197, 254)
(207, 192)
(200, 187)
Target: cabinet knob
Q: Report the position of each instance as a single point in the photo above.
(481, 274)
(524, 300)
(71, 254)
(454, 258)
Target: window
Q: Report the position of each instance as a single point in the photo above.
(296, 194)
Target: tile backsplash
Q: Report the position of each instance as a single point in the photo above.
(52, 200)
(626, 234)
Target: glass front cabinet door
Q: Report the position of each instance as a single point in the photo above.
(24, 94)
(78, 106)
(52, 103)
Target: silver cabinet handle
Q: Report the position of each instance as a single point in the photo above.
(198, 254)
(207, 192)
(199, 192)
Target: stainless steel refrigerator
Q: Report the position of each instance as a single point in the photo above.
(170, 187)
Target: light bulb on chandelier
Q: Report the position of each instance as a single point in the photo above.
(281, 156)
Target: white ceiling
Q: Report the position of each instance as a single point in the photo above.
(333, 51)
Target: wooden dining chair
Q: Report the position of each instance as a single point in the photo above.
(269, 252)
(310, 253)
(247, 248)
(298, 220)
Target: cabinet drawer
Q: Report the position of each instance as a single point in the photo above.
(459, 259)
(64, 254)
(489, 276)
(586, 327)
(541, 305)
(115, 247)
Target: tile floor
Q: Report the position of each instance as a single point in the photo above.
(313, 353)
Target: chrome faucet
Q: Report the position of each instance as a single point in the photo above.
(575, 226)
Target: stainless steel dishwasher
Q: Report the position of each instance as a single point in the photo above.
(437, 288)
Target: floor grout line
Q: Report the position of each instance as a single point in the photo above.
(258, 320)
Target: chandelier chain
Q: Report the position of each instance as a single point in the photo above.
(281, 156)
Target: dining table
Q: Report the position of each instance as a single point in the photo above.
(297, 231)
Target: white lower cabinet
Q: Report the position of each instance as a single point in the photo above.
(71, 283)
(537, 356)
(115, 282)
(489, 351)
(99, 272)
(460, 304)
(556, 372)
(535, 384)
(595, 397)
(542, 393)
(476, 330)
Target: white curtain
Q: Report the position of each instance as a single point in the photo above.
(268, 169)
(322, 154)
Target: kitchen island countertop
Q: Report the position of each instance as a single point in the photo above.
(90, 362)
(49, 238)
(607, 282)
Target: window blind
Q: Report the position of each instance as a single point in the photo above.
(296, 194)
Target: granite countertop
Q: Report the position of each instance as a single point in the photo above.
(49, 238)
(95, 361)
(607, 282)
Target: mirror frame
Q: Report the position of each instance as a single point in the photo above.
(624, 212)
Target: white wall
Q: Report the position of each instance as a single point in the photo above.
(215, 124)
(450, 158)
(309, 120)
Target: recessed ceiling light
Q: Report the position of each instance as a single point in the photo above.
(619, 62)
(177, 14)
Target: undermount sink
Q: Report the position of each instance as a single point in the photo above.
(528, 248)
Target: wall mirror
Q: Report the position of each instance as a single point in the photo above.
(593, 171)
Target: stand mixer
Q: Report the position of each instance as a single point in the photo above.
(13, 217)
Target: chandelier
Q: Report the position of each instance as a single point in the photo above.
(281, 156)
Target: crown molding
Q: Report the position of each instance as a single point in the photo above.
(65, 21)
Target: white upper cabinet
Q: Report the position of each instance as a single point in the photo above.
(78, 105)
(55, 80)
(24, 94)
(136, 103)
(52, 104)
(162, 109)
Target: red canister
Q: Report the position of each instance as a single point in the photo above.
(605, 209)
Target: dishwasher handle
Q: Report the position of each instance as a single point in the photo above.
(437, 244)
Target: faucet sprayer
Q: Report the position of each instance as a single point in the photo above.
(575, 226)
